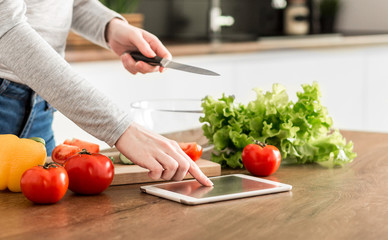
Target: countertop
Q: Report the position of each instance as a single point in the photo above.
(340, 203)
(264, 44)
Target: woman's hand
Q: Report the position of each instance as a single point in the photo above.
(163, 157)
(123, 37)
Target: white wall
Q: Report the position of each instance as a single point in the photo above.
(354, 82)
(363, 15)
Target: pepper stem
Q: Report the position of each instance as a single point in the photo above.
(38, 139)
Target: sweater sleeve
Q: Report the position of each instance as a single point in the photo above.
(90, 18)
(37, 64)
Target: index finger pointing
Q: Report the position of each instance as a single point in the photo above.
(199, 175)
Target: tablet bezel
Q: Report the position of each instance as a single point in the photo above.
(178, 197)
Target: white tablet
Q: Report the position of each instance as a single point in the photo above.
(225, 188)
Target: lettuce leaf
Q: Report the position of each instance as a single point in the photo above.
(303, 131)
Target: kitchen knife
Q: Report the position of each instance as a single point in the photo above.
(155, 61)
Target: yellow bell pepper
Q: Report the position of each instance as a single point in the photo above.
(16, 156)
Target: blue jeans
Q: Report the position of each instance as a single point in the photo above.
(25, 114)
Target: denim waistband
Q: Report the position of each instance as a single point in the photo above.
(14, 90)
(24, 113)
(19, 91)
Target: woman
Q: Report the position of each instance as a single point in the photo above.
(32, 71)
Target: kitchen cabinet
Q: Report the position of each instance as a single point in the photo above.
(339, 74)
(375, 90)
(352, 79)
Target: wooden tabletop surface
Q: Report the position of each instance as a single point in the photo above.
(341, 203)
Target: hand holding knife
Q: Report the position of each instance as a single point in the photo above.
(166, 63)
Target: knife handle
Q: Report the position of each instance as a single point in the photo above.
(138, 56)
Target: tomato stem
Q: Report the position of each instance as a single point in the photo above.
(261, 144)
(50, 164)
(84, 151)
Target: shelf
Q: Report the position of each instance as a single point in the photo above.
(266, 44)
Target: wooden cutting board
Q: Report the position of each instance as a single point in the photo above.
(130, 174)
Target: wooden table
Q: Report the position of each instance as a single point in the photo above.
(341, 203)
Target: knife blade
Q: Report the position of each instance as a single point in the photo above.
(155, 61)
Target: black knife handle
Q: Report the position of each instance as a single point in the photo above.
(138, 56)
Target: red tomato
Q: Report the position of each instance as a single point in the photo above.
(90, 147)
(62, 152)
(45, 184)
(192, 149)
(89, 173)
(260, 159)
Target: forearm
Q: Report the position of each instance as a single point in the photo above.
(90, 19)
(24, 52)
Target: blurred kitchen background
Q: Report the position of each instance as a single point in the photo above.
(341, 44)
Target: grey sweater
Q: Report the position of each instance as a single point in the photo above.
(32, 43)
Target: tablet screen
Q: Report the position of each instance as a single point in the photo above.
(222, 186)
